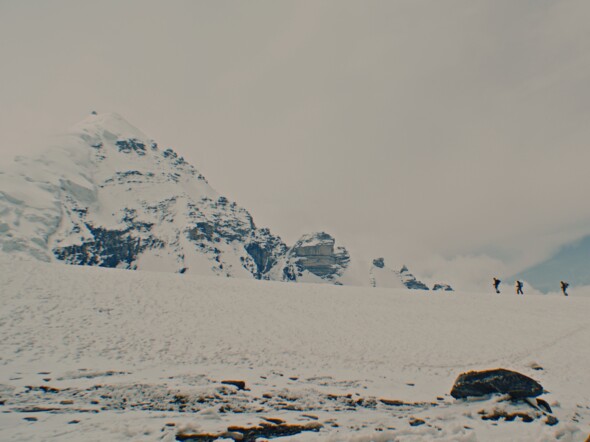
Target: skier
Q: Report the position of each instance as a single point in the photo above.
(519, 285)
(564, 286)
(497, 284)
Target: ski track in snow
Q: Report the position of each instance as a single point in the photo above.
(125, 353)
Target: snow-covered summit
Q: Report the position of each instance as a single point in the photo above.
(105, 194)
(109, 125)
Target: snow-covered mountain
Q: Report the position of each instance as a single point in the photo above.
(107, 195)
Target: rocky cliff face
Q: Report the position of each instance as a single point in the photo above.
(313, 258)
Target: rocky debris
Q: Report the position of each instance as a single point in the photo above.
(512, 409)
(482, 383)
(501, 414)
(266, 430)
(230, 397)
(415, 422)
(443, 287)
(552, 420)
(241, 385)
(43, 388)
(206, 437)
(398, 403)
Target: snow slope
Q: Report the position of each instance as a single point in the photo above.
(117, 355)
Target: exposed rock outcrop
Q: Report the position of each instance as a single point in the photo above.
(482, 383)
(444, 287)
(313, 258)
(382, 276)
(410, 280)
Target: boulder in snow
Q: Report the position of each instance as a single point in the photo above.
(482, 383)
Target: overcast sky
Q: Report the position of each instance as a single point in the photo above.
(439, 133)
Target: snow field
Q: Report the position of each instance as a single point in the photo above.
(148, 336)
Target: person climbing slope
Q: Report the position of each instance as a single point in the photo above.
(497, 284)
(519, 285)
(564, 286)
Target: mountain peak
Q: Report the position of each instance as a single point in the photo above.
(108, 125)
(107, 195)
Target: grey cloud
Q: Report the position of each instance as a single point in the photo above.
(406, 128)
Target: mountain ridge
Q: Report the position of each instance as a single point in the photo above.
(108, 195)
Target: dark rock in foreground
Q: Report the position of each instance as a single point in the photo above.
(482, 383)
(241, 385)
